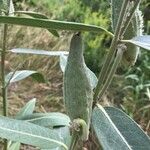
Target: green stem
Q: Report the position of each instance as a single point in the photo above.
(107, 65)
(113, 70)
(4, 89)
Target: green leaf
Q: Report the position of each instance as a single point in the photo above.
(63, 62)
(28, 133)
(141, 41)
(27, 109)
(52, 24)
(38, 52)
(116, 131)
(11, 8)
(132, 76)
(130, 130)
(48, 119)
(38, 15)
(64, 134)
(20, 75)
(92, 77)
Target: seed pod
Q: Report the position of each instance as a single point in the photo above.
(134, 29)
(77, 89)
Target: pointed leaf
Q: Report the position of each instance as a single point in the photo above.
(141, 41)
(11, 8)
(92, 77)
(27, 109)
(63, 62)
(38, 15)
(115, 130)
(130, 130)
(20, 75)
(52, 24)
(48, 119)
(38, 52)
(108, 135)
(28, 133)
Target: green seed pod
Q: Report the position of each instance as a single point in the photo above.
(134, 29)
(78, 94)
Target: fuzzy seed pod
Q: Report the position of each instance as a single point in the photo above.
(134, 29)
(77, 89)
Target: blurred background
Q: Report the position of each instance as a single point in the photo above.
(130, 89)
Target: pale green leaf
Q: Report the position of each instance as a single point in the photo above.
(11, 8)
(38, 15)
(48, 119)
(27, 109)
(52, 24)
(64, 134)
(38, 52)
(63, 62)
(28, 133)
(130, 130)
(115, 130)
(141, 41)
(20, 75)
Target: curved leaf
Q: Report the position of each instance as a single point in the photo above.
(27, 109)
(20, 75)
(38, 15)
(52, 24)
(28, 133)
(115, 130)
(38, 52)
(48, 119)
(141, 41)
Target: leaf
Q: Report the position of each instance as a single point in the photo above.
(20, 75)
(133, 77)
(27, 109)
(13, 146)
(38, 15)
(64, 134)
(28, 133)
(141, 41)
(116, 131)
(48, 119)
(38, 52)
(63, 62)
(52, 24)
(11, 8)
(92, 77)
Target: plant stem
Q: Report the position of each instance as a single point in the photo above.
(4, 89)
(106, 67)
(121, 49)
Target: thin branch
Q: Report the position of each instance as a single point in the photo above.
(110, 57)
